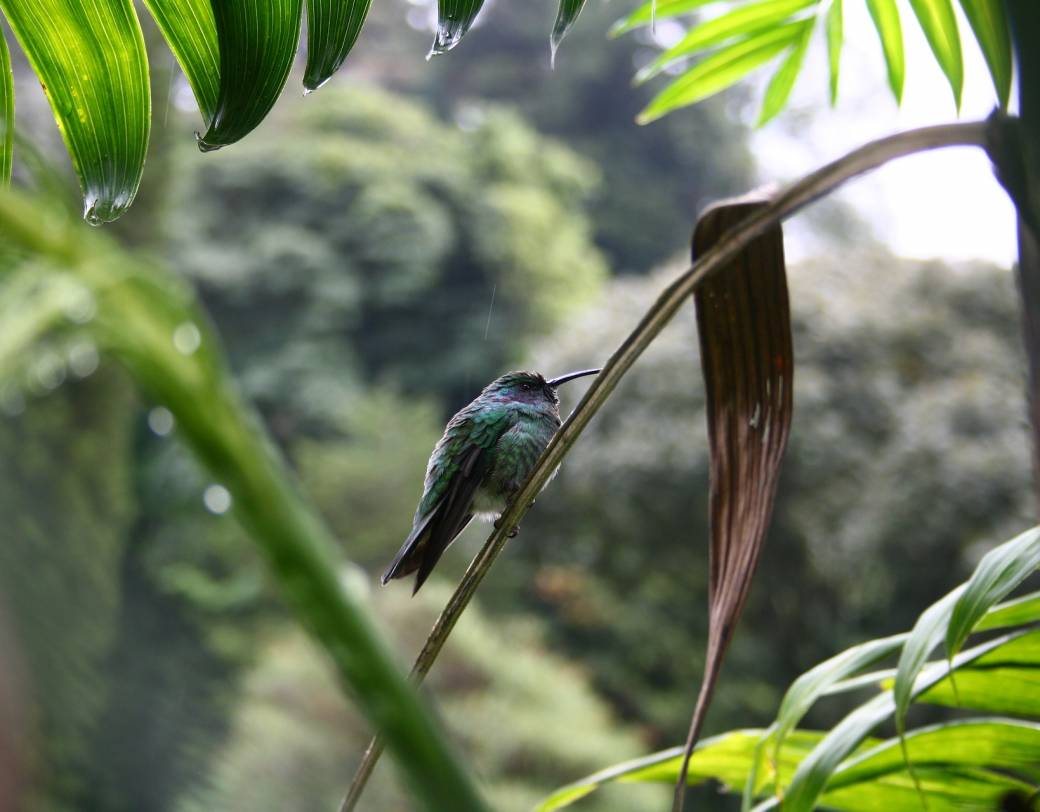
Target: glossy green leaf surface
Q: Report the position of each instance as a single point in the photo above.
(723, 69)
(6, 113)
(953, 617)
(782, 83)
(885, 16)
(989, 22)
(1006, 744)
(835, 40)
(454, 17)
(191, 32)
(257, 40)
(1012, 613)
(940, 29)
(815, 771)
(999, 572)
(90, 58)
(333, 27)
(742, 21)
(650, 11)
(565, 17)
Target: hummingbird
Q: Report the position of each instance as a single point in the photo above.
(488, 449)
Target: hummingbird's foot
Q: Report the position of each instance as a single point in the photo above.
(513, 533)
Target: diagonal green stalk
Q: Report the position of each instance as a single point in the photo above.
(786, 203)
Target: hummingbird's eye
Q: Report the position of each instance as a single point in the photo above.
(526, 387)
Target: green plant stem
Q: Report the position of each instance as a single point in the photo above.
(136, 319)
(786, 203)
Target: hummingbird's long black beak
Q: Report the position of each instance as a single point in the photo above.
(570, 376)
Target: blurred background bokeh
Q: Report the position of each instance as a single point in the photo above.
(371, 257)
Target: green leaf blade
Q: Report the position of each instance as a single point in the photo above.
(743, 21)
(191, 32)
(835, 41)
(997, 574)
(885, 16)
(989, 22)
(940, 29)
(782, 83)
(258, 41)
(333, 27)
(454, 18)
(565, 17)
(722, 69)
(90, 58)
(815, 771)
(6, 113)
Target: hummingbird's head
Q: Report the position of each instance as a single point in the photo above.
(531, 387)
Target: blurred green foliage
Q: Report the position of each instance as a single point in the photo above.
(363, 239)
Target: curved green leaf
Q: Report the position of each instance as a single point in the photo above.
(940, 29)
(989, 22)
(782, 83)
(6, 113)
(999, 572)
(953, 617)
(722, 69)
(454, 17)
(1004, 744)
(928, 632)
(648, 12)
(816, 769)
(1013, 613)
(818, 681)
(90, 58)
(726, 758)
(565, 17)
(743, 21)
(332, 29)
(191, 32)
(835, 40)
(257, 41)
(886, 20)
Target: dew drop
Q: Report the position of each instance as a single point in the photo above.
(83, 359)
(217, 499)
(160, 421)
(186, 338)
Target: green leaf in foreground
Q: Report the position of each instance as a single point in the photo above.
(953, 617)
(6, 113)
(885, 16)
(1013, 613)
(782, 83)
(565, 17)
(743, 21)
(90, 58)
(147, 320)
(998, 573)
(835, 40)
(333, 27)
(191, 32)
(815, 771)
(257, 41)
(454, 17)
(722, 69)
(989, 22)
(940, 29)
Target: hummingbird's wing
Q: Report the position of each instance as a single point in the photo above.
(457, 468)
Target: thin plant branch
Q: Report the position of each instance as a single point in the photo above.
(787, 202)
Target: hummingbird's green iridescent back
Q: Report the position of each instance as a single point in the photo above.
(486, 453)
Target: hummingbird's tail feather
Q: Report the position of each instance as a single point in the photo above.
(410, 555)
(431, 552)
